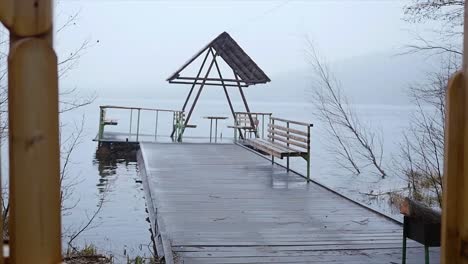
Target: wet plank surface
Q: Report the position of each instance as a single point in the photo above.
(220, 203)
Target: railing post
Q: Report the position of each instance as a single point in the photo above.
(216, 130)
(308, 154)
(101, 123)
(263, 126)
(131, 121)
(211, 128)
(272, 121)
(138, 125)
(403, 257)
(287, 144)
(156, 126)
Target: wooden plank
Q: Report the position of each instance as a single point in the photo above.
(290, 130)
(111, 122)
(291, 142)
(241, 127)
(290, 136)
(277, 148)
(283, 148)
(222, 204)
(291, 121)
(267, 149)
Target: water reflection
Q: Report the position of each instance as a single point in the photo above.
(109, 157)
(124, 225)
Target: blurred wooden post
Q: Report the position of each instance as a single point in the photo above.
(455, 202)
(35, 235)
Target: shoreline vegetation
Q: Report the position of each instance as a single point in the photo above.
(90, 254)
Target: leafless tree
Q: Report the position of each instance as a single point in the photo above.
(88, 224)
(450, 12)
(354, 142)
(446, 31)
(422, 150)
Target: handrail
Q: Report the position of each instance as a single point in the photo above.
(254, 113)
(139, 108)
(292, 121)
(176, 119)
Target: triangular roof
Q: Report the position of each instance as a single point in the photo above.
(228, 49)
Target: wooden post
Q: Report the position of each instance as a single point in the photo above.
(102, 114)
(455, 196)
(287, 144)
(34, 135)
(272, 121)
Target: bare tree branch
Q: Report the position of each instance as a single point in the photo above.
(345, 127)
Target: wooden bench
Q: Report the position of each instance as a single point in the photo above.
(421, 224)
(110, 122)
(243, 122)
(286, 138)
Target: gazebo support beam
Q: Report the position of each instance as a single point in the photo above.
(247, 109)
(210, 79)
(198, 96)
(195, 82)
(208, 84)
(227, 94)
(193, 87)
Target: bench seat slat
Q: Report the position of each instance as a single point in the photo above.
(275, 149)
(269, 145)
(283, 147)
(258, 145)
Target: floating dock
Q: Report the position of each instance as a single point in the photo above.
(223, 203)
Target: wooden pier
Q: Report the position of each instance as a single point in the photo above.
(222, 203)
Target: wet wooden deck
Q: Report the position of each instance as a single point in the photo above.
(221, 203)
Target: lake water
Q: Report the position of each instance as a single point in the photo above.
(121, 227)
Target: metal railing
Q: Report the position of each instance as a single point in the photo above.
(177, 120)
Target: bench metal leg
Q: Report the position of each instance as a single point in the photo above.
(426, 254)
(308, 168)
(403, 257)
(272, 159)
(211, 128)
(287, 163)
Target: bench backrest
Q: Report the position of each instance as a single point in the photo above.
(293, 134)
(243, 119)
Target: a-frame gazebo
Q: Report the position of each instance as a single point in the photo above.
(246, 72)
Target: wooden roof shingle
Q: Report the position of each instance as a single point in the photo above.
(228, 49)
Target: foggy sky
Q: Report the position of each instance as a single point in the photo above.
(142, 42)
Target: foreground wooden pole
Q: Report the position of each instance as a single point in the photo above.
(455, 202)
(33, 126)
